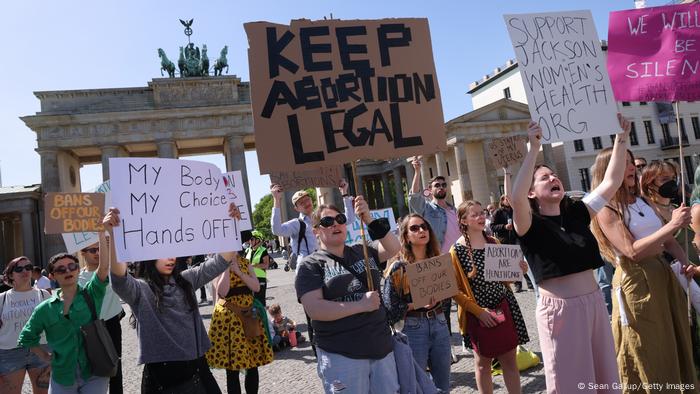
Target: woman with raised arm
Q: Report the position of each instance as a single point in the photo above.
(236, 331)
(172, 337)
(424, 325)
(353, 340)
(649, 305)
(572, 320)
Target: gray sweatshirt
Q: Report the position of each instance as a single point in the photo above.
(175, 333)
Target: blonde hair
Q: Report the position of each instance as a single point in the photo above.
(652, 171)
(462, 210)
(618, 202)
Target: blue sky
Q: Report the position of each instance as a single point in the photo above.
(61, 45)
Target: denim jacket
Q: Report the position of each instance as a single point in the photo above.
(431, 212)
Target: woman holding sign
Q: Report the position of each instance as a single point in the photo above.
(425, 326)
(353, 342)
(649, 304)
(572, 320)
(489, 315)
(172, 337)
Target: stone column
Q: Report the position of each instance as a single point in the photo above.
(109, 151)
(477, 171)
(378, 200)
(424, 174)
(440, 164)
(28, 236)
(325, 195)
(386, 193)
(50, 182)
(409, 175)
(167, 149)
(398, 189)
(462, 169)
(235, 161)
(548, 156)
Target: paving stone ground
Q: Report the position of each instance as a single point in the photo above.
(294, 370)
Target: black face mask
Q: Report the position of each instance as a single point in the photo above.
(668, 189)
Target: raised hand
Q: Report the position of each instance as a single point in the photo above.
(111, 219)
(276, 191)
(534, 134)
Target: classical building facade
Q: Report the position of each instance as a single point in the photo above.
(169, 118)
(654, 134)
(20, 228)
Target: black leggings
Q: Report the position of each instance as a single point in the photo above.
(252, 379)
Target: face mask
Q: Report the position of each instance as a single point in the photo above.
(668, 189)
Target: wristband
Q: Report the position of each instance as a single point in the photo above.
(378, 228)
(595, 201)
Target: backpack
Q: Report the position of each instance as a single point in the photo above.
(293, 257)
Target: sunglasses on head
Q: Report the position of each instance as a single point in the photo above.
(63, 269)
(415, 227)
(91, 250)
(327, 221)
(442, 185)
(21, 268)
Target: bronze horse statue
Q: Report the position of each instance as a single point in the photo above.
(205, 60)
(181, 62)
(166, 64)
(221, 62)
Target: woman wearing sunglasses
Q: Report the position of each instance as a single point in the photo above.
(60, 318)
(424, 325)
(171, 334)
(353, 341)
(16, 306)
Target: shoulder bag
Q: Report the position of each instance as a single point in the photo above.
(98, 344)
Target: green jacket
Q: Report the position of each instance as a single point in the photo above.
(63, 335)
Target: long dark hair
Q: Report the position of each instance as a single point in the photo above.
(149, 274)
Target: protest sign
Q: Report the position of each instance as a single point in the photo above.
(170, 208)
(562, 65)
(332, 91)
(297, 180)
(235, 191)
(502, 263)
(353, 236)
(653, 53)
(507, 151)
(431, 278)
(73, 212)
(79, 240)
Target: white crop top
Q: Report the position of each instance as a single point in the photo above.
(643, 221)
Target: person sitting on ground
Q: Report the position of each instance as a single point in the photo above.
(284, 327)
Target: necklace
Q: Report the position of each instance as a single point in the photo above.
(638, 210)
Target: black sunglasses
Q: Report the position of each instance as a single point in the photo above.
(327, 221)
(19, 269)
(415, 227)
(91, 250)
(442, 185)
(63, 269)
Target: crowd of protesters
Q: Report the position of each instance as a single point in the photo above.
(610, 270)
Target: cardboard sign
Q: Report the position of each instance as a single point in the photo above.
(502, 263)
(353, 236)
(562, 65)
(653, 53)
(73, 212)
(79, 240)
(507, 151)
(331, 91)
(235, 193)
(434, 277)
(297, 180)
(170, 208)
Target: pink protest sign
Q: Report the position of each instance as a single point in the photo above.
(654, 53)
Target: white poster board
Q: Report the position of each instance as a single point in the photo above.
(502, 263)
(235, 193)
(566, 82)
(354, 236)
(77, 241)
(170, 208)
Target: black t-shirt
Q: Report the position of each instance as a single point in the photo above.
(359, 336)
(552, 252)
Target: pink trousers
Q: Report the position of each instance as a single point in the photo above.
(577, 344)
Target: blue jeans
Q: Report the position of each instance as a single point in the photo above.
(94, 385)
(340, 374)
(604, 277)
(429, 339)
